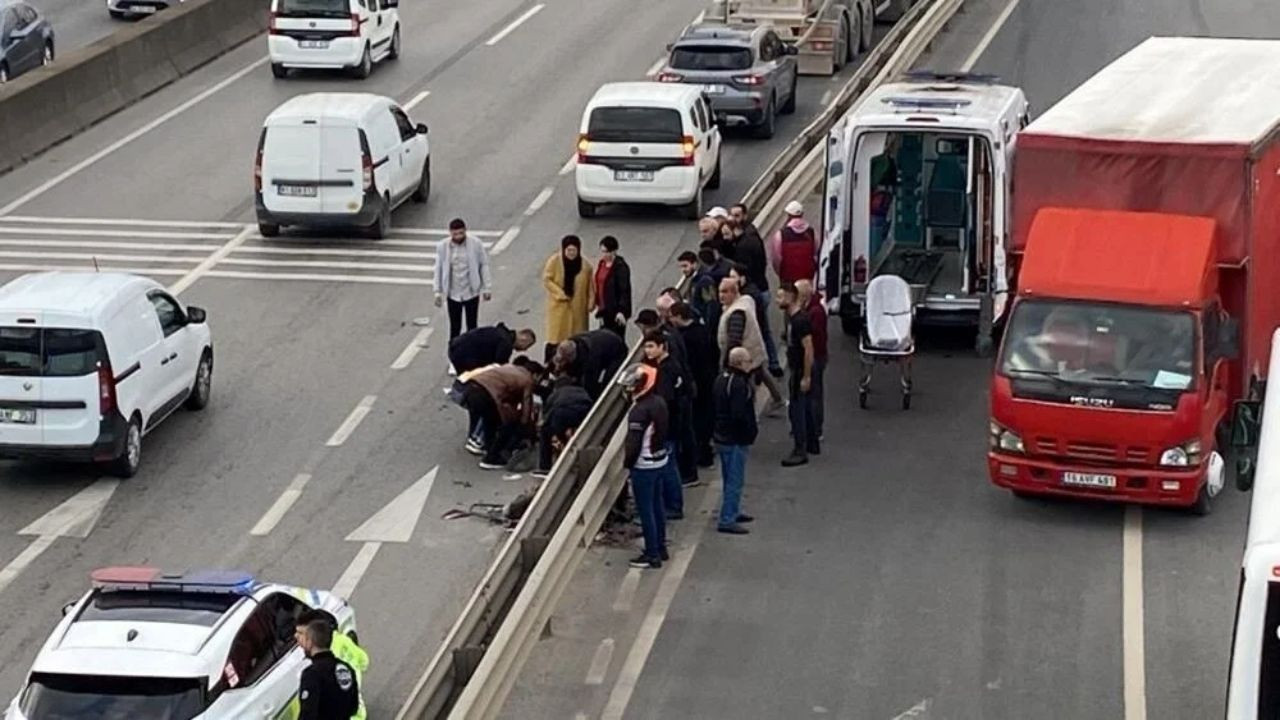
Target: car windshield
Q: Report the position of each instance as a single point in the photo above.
(102, 697)
(185, 608)
(1101, 344)
(314, 8)
(710, 57)
(635, 124)
(52, 352)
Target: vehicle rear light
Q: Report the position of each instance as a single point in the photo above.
(584, 148)
(355, 26)
(687, 147)
(273, 28)
(257, 164)
(860, 269)
(751, 80)
(106, 389)
(821, 44)
(366, 173)
(670, 77)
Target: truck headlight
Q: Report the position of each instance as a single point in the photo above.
(1184, 455)
(1002, 438)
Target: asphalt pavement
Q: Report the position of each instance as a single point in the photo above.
(888, 578)
(326, 396)
(77, 23)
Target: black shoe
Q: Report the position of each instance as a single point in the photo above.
(664, 555)
(795, 459)
(706, 463)
(646, 562)
(745, 518)
(674, 515)
(734, 529)
(814, 450)
(776, 371)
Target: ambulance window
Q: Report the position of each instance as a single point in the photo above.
(1269, 670)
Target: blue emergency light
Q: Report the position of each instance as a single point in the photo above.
(222, 582)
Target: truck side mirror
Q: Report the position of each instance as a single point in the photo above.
(1229, 339)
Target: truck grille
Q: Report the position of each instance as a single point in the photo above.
(1099, 452)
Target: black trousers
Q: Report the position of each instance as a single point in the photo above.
(609, 323)
(482, 408)
(686, 440)
(472, 308)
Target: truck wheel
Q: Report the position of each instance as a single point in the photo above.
(1204, 504)
(365, 66)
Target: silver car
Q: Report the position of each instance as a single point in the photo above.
(26, 40)
(747, 73)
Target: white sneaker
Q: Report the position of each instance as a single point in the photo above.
(422, 321)
(453, 372)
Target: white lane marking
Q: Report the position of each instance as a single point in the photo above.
(397, 519)
(337, 252)
(62, 177)
(214, 258)
(355, 571)
(919, 710)
(416, 99)
(90, 257)
(40, 220)
(441, 231)
(505, 241)
(303, 277)
(655, 67)
(28, 555)
(277, 511)
(699, 17)
(68, 232)
(1135, 664)
(826, 98)
(539, 201)
(986, 40)
(672, 576)
(426, 244)
(76, 516)
(514, 24)
(353, 420)
(570, 165)
(412, 349)
(32, 267)
(882, 6)
(330, 265)
(600, 662)
(33, 242)
(627, 591)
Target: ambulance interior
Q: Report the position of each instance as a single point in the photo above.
(930, 200)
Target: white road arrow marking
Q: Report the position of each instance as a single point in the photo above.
(394, 523)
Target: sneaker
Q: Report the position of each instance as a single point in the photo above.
(453, 372)
(645, 562)
(475, 448)
(541, 474)
(795, 459)
(734, 529)
(422, 321)
(486, 465)
(745, 518)
(693, 483)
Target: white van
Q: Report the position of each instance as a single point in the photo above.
(647, 142)
(339, 160)
(90, 362)
(347, 35)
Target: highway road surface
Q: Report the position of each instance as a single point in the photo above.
(888, 579)
(328, 454)
(77, 23)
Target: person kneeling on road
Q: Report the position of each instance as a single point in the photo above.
(735, 432)
(479, 348)
(646, 459)
(345, 649)
(563, 413)
(501, 397)
(328, 689)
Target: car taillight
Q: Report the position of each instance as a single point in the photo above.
(257, 165)
(273, 28)
(821, 44)
(584, 148)
(669, 77)
(752, 80)
(366, 176)
(687, 147)
(355, 26)
(106, 389)
(860, 269)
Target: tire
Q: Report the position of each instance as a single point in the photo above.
(202, 386)
(394, 52)
(789, 106)
(47, 57)
(867, 38)
(268, 230)
(713, 182)
(4, 74)
(279, 70)
(769, 126)
(854, 46)
(1203, 504)
(365, 68)
(693, 209)
(126, 465)
(382, 226)
(423, 191)
(586, 209)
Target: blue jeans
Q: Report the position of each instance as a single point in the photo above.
(672, 490)
(762, 316)
(733, 471)
(646, 487)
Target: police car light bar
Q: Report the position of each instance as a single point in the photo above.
(229, 582)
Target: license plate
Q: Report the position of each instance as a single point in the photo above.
(713, 89)
(15, 415)
(633, 175)
(142, 9)
(297, 190)
(1088, 480)
(313, 44)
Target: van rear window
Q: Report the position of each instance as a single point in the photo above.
(710, 57)
(50, 352)
(635, 124)
(314, 8)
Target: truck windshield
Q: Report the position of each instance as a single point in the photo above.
(1101, 344)
(55, 697)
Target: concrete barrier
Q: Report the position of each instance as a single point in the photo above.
(49, 105)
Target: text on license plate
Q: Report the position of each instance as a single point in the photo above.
(313, 44)
(297, 190)
(142, 9)
(633, 175)
(16, 415)
(1088, 480)
(713, 89)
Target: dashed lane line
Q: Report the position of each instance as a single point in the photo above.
(281, 506)
(352, 422)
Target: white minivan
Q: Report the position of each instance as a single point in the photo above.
(339, 160)
(647, 142)
(91, 362)
(348, 35)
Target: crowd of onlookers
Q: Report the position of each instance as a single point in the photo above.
(706, 347)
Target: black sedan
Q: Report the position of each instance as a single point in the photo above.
(26, 40)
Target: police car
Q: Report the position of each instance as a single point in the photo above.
(146, 644)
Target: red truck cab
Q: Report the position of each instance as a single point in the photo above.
(1146, 248)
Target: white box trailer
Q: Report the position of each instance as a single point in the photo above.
(917, 185)
(828, 33)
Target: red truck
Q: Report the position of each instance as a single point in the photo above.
(1146, 242)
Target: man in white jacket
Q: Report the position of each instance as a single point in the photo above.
(462, 276)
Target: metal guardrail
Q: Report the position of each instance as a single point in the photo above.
(480, 658)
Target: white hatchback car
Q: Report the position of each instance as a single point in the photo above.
(347, 35)
(214, 645)
(90, 362)
(647, 142)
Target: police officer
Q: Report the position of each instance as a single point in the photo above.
(328, 689)
(345, 649)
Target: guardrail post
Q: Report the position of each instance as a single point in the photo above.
(465, 661)
(531, 548)
(588, 459)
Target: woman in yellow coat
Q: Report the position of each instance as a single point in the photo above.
(570, 291)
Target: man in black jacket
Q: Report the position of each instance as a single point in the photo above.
(746, 248)
(646, 459)
(671, 387)
(735, 432)
(596, 357)
(613, 288)
(704, 363)
(328, 689)
(562, 414)
(488, 346)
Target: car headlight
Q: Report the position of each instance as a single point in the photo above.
(1002, 438)
(1184, 455)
